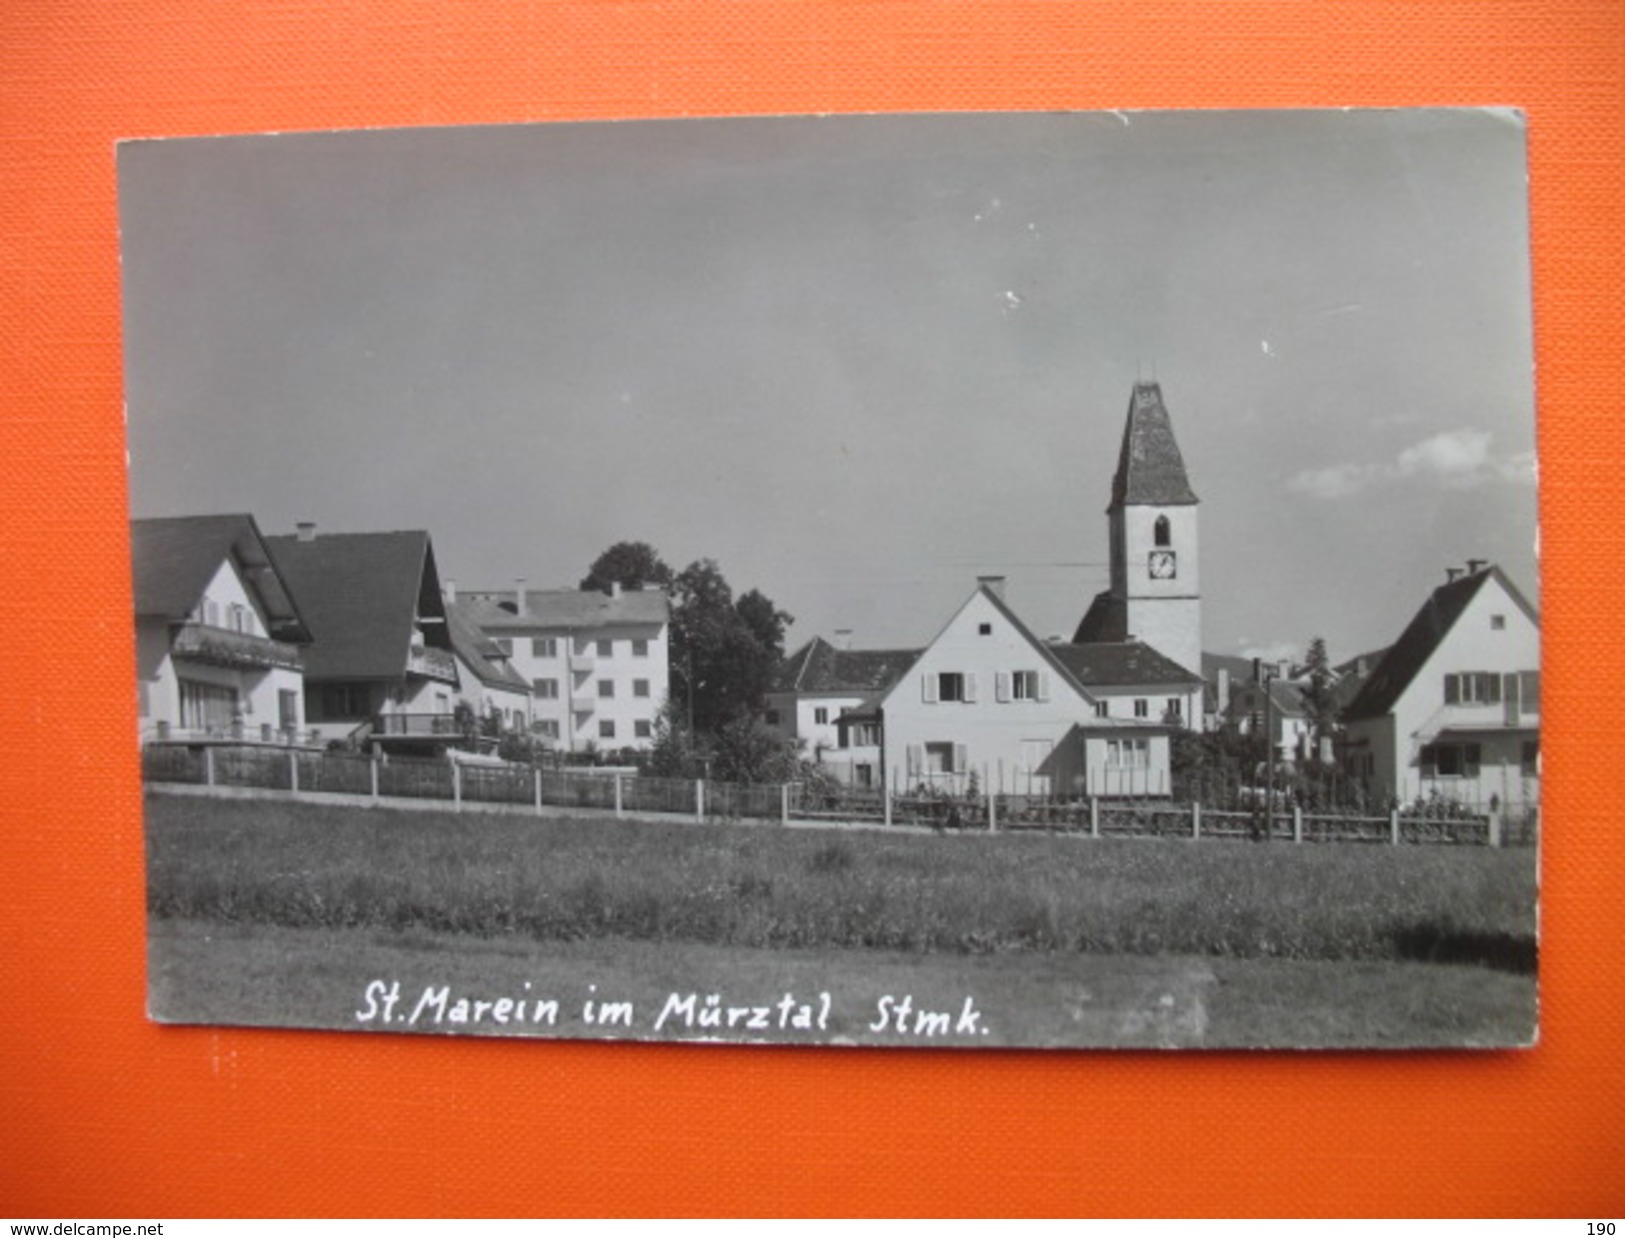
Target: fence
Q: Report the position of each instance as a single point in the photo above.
(419, 778)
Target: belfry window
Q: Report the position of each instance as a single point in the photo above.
(1161, 532)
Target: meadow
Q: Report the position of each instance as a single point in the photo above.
(559, 879)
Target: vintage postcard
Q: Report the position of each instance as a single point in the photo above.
(1036, 580)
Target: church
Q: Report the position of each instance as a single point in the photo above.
(988, 702)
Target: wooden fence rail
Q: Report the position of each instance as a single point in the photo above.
(373, 778)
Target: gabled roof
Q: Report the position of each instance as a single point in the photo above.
(819, 667)
(1118, 664)
(361, 594)
(567, 608)
(175, 557)
(479, 652)
(1150, 469)
(1426, 631)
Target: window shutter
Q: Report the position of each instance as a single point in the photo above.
(928, 689)
(916, 758)
(1001, 686)
(1043, 685)
(961, 764)
(970, 688)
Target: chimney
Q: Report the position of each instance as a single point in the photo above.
(518, 595)
(307, 530)
(450, 590)
(1475, 566)
(1283, 669)
(843, 638)
(993, 584)
(1451, 575)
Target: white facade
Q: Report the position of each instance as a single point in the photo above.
(985, 698)
(218, 674)
(1156, 570)
(1466, 728)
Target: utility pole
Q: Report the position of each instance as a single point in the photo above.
(1264, 675)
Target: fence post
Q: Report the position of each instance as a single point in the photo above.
(1393, 826)
(992, 804)
(1196, 819)
(784, 803)
(208, 767)
(699, 799)
(293, 772)
(536, 787)
(885, 795)
(372, 770)
(1094, 816)
(1297, 823)
(1495, 829)
(456, 787)
(618, 811)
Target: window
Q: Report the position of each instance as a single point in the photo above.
(862, 735)
(547, 728)
(1176, 709)
(287, 708)
(1027, 686)
(939, 759)
(863, 775)
(1450, 760)
(343, 701)
(606, 729)
(984, 629)
(606, 648)
(1161, 532)
(239, 618)
(821, 716)
(505, 644)
(1102, 709)
(643, 728)
(606, 689)
(640, 649)
(952, 686)
(207, 706)
(1472, 688)
(1498, 623)
(1128, 753)
(544, 647)
(640, 687)
(545, 689)
(1530, 765)
(1142, 707)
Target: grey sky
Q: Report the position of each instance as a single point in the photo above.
(857, 360)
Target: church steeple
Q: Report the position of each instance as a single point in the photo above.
(1149, 467)
(1155, 593)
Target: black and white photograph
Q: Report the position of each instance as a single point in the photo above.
(1007, 580)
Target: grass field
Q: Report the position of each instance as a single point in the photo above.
(764, 887)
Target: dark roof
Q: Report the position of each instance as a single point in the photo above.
(361, 594)
(567, 608)
(1113, 664)
(175, 557)
(820, 667)
(479, 652)
(1149, 467)
(1105, 620)
(1421, 637)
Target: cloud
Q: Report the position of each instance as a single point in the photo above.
(1457, 459)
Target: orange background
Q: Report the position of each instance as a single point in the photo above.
(102, 1113)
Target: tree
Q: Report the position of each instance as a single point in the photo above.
(745, 749)
(723, 653)
(632, 565)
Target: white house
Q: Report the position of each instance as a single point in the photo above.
(218, 634)
(988, 698)
(596, 662)
(488, 683)
(819, 697)
(1453, 708)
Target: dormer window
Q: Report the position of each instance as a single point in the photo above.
(1162, 532)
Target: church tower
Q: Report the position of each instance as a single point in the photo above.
(1155, 594)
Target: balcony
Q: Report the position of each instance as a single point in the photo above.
(197, 642)
(432, 664)
(417, 726)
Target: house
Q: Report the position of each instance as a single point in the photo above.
(380, 668)
(218, 634)
(987, 699)
(596, 662)
(1155, 595)
(487, 681)
(818, 699)
(1453, 709)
